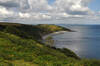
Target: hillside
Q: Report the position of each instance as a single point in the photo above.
(20, 45)
(29, 31)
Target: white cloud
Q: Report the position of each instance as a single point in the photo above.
(24, 15)
(41, 10)
(72, 6)
(37, 5)
(4, 11)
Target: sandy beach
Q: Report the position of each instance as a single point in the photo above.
(55, 33)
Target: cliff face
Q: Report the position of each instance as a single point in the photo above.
(20, 46)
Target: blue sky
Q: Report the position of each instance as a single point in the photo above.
(95, 5)
(50, 1)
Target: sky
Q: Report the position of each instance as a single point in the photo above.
(95, 5)
(51, 1)
(50, 11)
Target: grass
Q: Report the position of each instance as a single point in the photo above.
(20, 45)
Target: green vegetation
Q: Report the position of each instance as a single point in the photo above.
(20, 45)
(49, 41)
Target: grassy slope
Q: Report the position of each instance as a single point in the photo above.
(19, 46)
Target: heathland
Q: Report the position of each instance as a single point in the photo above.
(21, 45)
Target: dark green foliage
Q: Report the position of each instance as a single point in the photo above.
(20, 45)
(69, 53)
(30, 31)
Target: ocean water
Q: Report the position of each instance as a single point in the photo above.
(85, 42)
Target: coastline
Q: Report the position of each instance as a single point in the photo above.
(54, 33)
(65, 49)
(24, 46)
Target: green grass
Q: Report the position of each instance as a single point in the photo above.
(20, 45)
(14, 48)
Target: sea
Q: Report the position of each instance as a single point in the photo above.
(85, 41)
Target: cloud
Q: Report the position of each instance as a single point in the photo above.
(42, 10)
(73, 7)
(99, 12)
(5, 13)
(9, 4)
